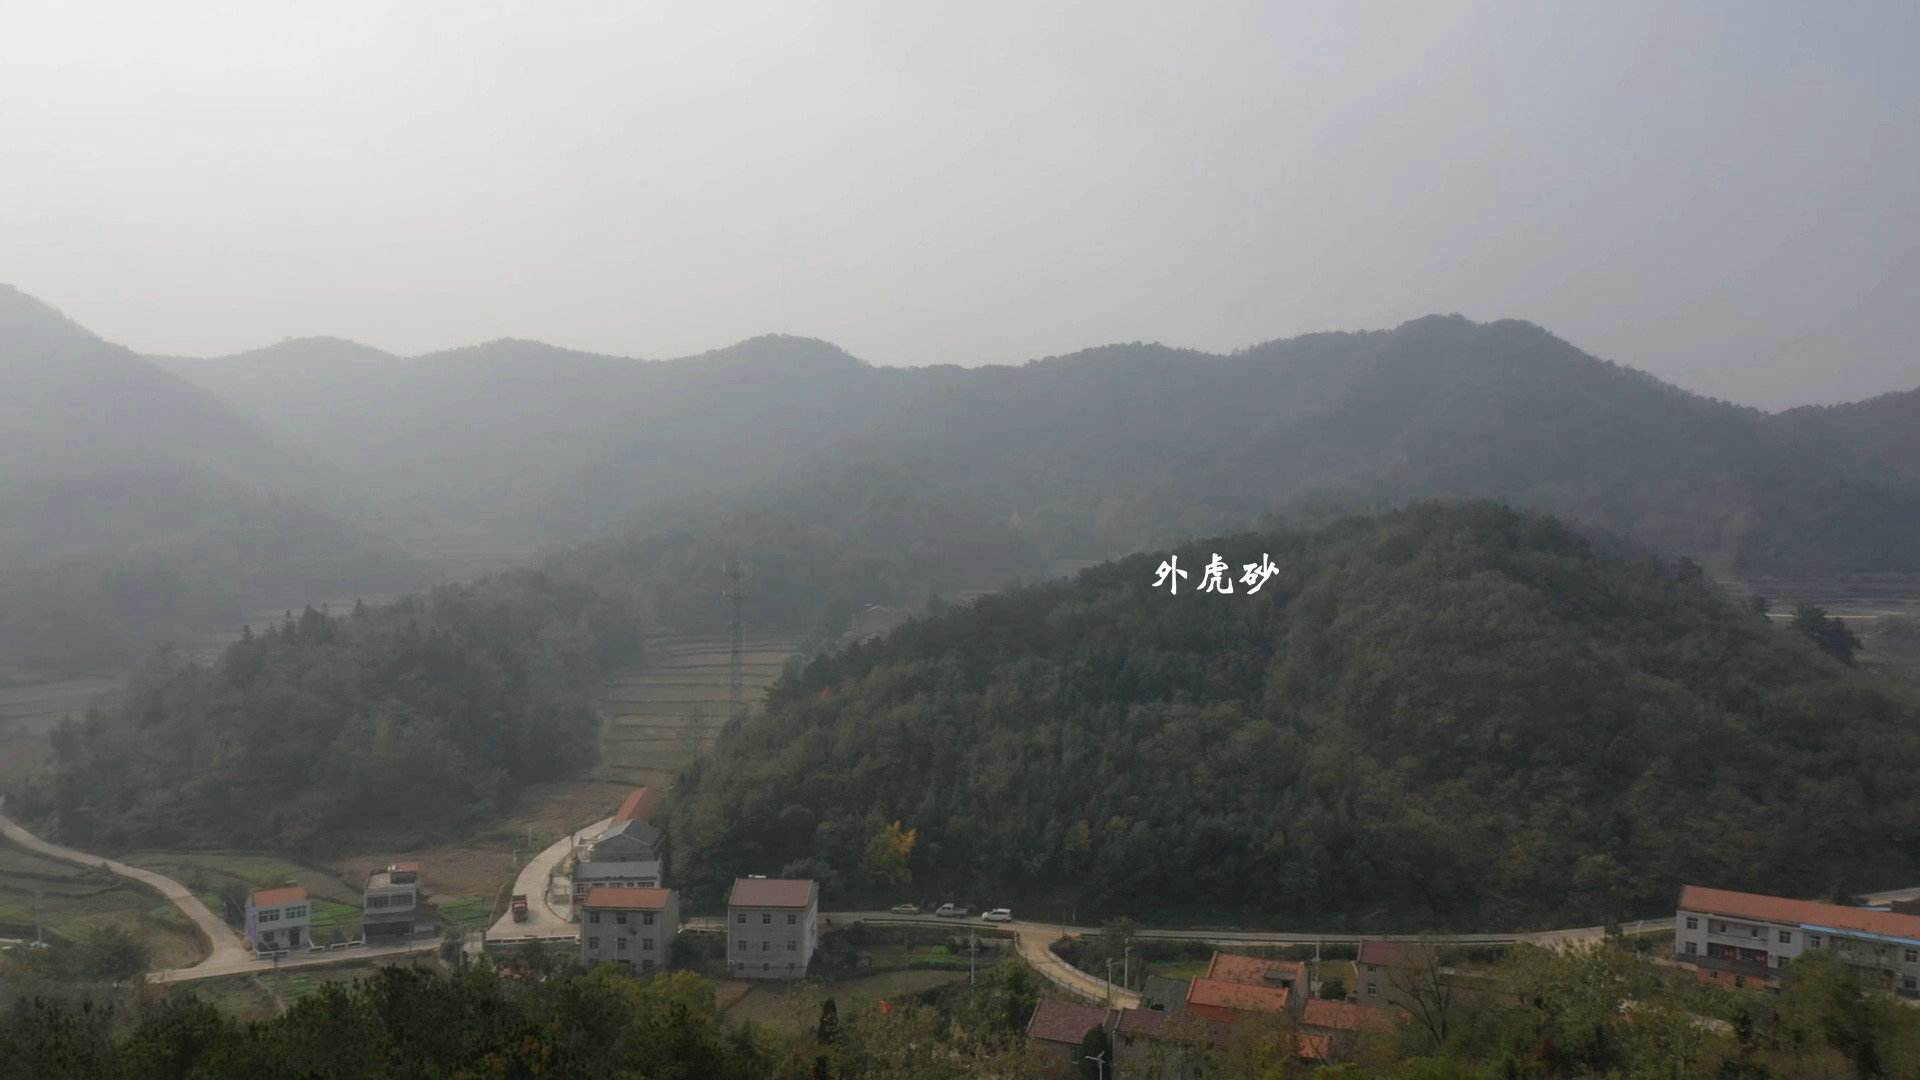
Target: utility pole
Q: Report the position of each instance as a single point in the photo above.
(973, 948)
(736, 597)
(1110, 963)
(1126, 967)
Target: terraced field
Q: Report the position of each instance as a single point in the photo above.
(664, 713)
(71, 901)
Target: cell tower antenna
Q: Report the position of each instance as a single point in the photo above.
(736, 595)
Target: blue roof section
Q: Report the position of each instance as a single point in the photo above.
(1840, 931)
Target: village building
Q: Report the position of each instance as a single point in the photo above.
(633, 927)
(1059, 1027)
(279, 919)
(772, 927)
(390, 905)
(1386, 971)
(625, 855)
(1743, 939)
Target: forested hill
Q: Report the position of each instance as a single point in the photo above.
(1880, 433)
(135, 505)
(398, 724)
(1451, 715)
(1084, 456)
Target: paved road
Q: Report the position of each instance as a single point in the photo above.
(543, 919)
(225, 945)
(208, 969)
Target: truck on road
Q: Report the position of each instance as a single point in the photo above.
(950, 910)
(519, 907)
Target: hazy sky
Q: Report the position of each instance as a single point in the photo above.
(1727, 196)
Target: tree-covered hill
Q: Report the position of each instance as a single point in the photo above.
(401, 723)
(1457, 715)
(136, 506)
(1881, 433)
(1088, 455)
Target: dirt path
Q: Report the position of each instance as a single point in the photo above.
(226, 947)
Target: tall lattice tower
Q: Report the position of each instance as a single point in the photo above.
(736, 595)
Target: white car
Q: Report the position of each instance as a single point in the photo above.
(998, 914)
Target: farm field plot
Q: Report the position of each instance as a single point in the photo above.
(267, 994)
(73, 901)
(661, 715)
(222, 879)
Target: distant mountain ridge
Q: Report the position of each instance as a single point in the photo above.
(134, 504)
(1093, 453)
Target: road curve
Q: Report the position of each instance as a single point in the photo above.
(543, 919)
(226, 948)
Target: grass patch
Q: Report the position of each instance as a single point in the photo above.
(73, 901)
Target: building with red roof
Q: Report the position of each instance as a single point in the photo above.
(772, 927)
(1750, 937)
(1057, 1027)
(278, 919)
(632, 927)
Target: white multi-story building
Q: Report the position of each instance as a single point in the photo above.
(772, 927)
(1737, 937)
(279, 919)
(634, 927)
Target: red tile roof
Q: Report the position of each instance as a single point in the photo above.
(1253, 971)
(770, 892)
(1064, 1022)
(1345, 1016)
(1386, 953)
(285, 894)
(405, 867)
(1776, 909)
(625, 897)
(1313, 1047)
(1218, 999)
(637, 807)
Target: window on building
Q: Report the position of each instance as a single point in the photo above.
(743, 946)
(793, 946)
(1716, 927)
(1693, 922)
(376, 901)
(764, 966)
(1373, 989)
(620, 917)
(646, 944)
(741, 918)
(297, 912)
(593, 943)
(620, 944)
(1786, 937)
(1913, 956)
(766, 918)
(793, 920)
(1910, 982)
(1813, 941)
(593, 917)
(766, 946)
(1693, 949)
(270, 915)
(646, 918)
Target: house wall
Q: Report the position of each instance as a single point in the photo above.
(771, 943)
(625, 936)
(282, 926)
(1698, 936)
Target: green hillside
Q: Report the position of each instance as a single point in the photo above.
(1456, 715)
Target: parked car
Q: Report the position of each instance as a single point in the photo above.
(950, 910)
(905, 909)
(998, 914)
